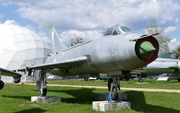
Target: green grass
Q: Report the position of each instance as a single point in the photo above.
(15, 98)
(148, 83)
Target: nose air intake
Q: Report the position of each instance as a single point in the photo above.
(147, 48)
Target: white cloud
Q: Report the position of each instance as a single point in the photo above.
(40, 33)
(93, 14)
(44, 36)
(85, 18)
(173, 40)
(6, 4)
(174, 44)
(30, 27)
(170, 29)
(11, 22)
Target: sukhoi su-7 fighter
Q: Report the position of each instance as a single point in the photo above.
(116, 52)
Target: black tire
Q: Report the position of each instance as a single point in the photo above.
(17, 80)
(141, 80)
(1, 84)
(126, 78)
(44, 92)
(178, 80)
(109, 84)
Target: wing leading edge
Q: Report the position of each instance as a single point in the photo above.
(64, 63)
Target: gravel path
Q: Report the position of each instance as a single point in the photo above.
(122, 88)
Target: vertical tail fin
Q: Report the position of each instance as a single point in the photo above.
(57, 45)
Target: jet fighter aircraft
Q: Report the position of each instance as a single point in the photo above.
(163, 64)
(117, 52)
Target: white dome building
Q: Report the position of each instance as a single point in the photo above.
(20, 47)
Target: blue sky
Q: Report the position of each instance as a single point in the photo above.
(89, 18)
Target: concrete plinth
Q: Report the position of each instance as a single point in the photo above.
(47, 99)
(104, 96)
(106, 106)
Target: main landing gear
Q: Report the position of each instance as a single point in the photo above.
(41, 84)
(16, 80)
(113, 85)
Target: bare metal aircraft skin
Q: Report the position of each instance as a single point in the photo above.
(160, 66)
(124, 51)
(117, 52)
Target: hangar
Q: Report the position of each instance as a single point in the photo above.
(21, 47)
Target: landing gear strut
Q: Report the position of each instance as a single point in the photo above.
(41, 83)
(113, 85)
(140, 78)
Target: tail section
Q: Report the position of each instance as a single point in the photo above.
(57, 45)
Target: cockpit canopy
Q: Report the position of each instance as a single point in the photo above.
(116, 30)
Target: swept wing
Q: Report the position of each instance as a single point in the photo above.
(6, 72)
(59, 64)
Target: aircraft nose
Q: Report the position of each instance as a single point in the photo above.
(145, 49)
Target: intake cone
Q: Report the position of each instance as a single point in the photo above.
(147, 48)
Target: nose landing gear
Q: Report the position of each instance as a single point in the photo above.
(113, 85)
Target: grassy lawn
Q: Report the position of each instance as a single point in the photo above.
(148, 83)
(15, 98)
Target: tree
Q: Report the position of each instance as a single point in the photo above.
(163, 39)
(75, 41)
(176, 52)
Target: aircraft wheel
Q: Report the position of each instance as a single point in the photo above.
(127, 78)
(1, 84)
(178, 80)
(141, 79)
(16, 80)
(44, 92)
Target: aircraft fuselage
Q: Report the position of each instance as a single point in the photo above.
(106, 54)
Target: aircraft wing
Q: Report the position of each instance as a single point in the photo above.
(6, 72)
(64, 63)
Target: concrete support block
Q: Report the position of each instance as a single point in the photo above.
(104, 96)
(47, 99)
(106, 106)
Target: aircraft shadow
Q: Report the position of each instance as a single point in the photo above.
(137, 99)
(86, 96)
(138, 103)
(33, 110)
(81, 96)
(18, 97)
